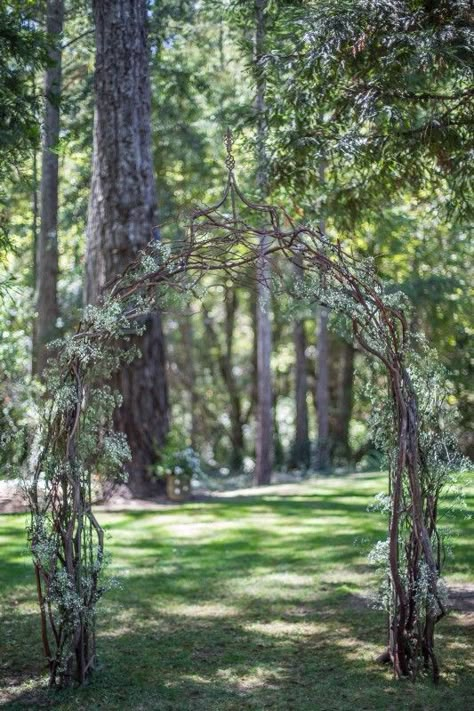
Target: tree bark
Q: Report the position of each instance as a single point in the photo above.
(323, 451)
(225, 358)
(264, 443)
(187, 333)
(322, 462)
(35, 220)
(300, 456)
(236, 417)
(122, 213)
(46, 271)
(301, 447)
(344, 401)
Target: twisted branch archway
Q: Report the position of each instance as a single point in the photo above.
(77, 437)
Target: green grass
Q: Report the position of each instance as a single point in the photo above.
(238, 603)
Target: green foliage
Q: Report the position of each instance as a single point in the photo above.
(382, 92)
(23, 53)
(17, 390)
(198, 91)
(202, 77)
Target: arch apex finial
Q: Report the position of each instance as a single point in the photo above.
(229, 142)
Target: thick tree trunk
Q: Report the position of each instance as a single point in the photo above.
(46, 271)
(264, 443)
(122, 213)
(322, 462)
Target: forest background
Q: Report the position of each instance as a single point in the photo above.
(365, 129)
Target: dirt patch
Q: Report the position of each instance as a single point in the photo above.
(12, 499)
(461, 597)
(361, 601)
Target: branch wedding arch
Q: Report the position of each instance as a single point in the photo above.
(76, 439)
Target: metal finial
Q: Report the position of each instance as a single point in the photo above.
(229, 142)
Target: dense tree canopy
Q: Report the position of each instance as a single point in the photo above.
(23, 53)
(383, 91)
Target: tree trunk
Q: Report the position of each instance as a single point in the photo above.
(46, 271)
(225, 358)
(323, 451)
(236, 418)
(122, 213)
(322, 462)
(344, 400)
(35, 220)
(187, 333)
(264, 443)
(301, 447)
(300, 455)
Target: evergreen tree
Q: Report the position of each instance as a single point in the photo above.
(122, 216)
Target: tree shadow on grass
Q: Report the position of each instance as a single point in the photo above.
(307, 660)
(251, 609)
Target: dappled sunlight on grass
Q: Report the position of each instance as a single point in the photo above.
(248, 682)
(203, 610)
(281, 628)
(251, 601)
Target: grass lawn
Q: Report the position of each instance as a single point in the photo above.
(241, 602)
